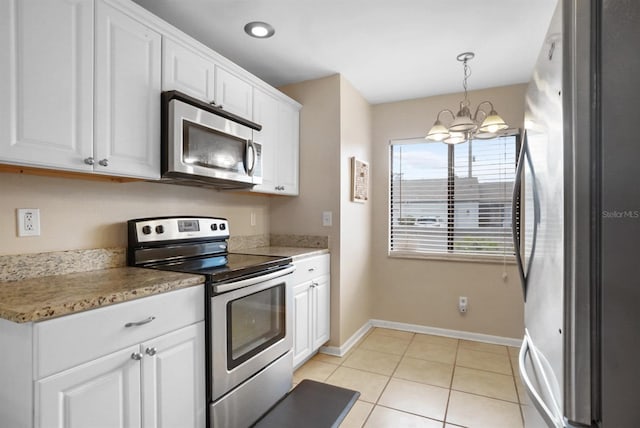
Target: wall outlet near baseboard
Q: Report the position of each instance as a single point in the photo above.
(462, 304)
(28, 221)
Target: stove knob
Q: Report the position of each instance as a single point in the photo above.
(214, 226)
(223, 226)
(160, 229)
(146, 230)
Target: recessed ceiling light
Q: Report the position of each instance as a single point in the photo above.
(260, 30)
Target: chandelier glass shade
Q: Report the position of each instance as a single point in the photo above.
(463, 125)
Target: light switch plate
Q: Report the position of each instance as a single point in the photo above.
(327, 218)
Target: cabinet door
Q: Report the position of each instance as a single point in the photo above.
(234, 94)
(46, 82)
(288, 143)
(265, 112)
(102, 393)
(186, 70)
(127, 104)
(302, 311)
(321, 311)
(173, 379)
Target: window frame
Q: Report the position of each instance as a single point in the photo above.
(504, 258)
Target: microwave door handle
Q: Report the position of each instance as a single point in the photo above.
(251, 146)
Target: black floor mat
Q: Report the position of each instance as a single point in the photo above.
(310, 404)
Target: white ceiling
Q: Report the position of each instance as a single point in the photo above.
(388, 50)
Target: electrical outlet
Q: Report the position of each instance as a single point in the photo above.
(28, 221)
(462, 304)
(327, 219)
(253, 218)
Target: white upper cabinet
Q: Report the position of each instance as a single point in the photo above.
(82, 80)
(288, 149)
(46, 78)
(234, 94)
(127, 100)
(186, 70)
(280, 140)
(265, 112)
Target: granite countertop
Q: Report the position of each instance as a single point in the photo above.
(296, 253)
(46, 297)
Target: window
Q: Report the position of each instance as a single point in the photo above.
(452, 199)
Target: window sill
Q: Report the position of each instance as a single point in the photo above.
(509, 259)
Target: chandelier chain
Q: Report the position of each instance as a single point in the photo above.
(467, 73)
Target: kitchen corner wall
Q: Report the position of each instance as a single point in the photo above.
(83, 214)
(335, 124)
(425, 292)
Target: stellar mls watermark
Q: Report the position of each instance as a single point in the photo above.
(621, 214)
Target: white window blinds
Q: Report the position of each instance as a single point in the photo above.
(452, 199)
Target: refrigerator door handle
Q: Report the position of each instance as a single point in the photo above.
(514, 220)
(553, 419)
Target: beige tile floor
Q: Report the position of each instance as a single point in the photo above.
(419, 380)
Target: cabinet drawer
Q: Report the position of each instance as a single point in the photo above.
(312, 267)
(70, 340)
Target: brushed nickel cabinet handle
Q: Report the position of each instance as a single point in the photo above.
(138, 323)
(89, 161)
(104, 162)
(151, 351)
(136, 356)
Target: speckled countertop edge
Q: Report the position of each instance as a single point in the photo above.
(41, 286)
(296, 253)
(42, 298)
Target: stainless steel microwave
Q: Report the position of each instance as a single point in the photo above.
(204, 145)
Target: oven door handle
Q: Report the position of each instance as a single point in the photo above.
(235, 285)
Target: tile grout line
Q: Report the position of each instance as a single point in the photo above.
(453, 373)
(515, 384)
(413, 335)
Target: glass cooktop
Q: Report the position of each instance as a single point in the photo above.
(230, 266)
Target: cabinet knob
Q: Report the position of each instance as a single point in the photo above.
(314, 284)
(104, 162)
(136, 356)
(90, 160)
(151, 351)
(311, 269)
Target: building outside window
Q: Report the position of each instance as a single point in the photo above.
(452, 199)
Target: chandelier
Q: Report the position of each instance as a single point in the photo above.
(464, 127)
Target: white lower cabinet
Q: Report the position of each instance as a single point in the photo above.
(159, 383)
(311, 307)
(173, 379)
(139, 363)
(101, 393)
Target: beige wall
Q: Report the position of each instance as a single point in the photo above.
(81, 214)
(425, 292)
(355, 218)
(335, 124)
(319, 177)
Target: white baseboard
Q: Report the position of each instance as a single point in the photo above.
(340, 351)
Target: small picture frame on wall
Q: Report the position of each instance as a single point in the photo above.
(359, 180)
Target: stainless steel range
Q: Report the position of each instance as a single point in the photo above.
(247, 306)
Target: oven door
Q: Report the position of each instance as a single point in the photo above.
(251, 327)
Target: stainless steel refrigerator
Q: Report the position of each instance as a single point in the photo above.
(579, 185)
